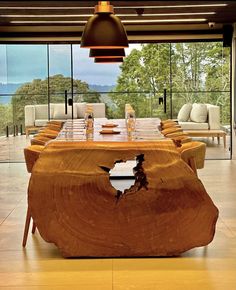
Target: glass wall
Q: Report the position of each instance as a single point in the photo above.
(24, 68)
(92, 81)
(144, 76)
(60, 78)
(60, 74)
(157, 79)
(201, 73)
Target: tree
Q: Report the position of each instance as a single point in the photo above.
(36, 92)
(5, 117)
(198, 73)
(218, 79)
(143, 77)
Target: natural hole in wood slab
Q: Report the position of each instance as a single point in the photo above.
(128, 177)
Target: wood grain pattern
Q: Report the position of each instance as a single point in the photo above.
(75, 206)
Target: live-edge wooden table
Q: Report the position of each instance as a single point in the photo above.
(166, 212)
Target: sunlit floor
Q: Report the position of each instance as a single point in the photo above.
(40, 265)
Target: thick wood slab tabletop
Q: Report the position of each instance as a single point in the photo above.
(146, 129)
(166, 212)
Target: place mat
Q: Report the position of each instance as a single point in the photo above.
(109, 125)
(109, 132)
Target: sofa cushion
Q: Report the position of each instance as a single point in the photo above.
(81, 107)
(194, 126)
(199, 113)
(59, 112)
(98, 110)
(184, 113)
(40, 122)
(41, 111)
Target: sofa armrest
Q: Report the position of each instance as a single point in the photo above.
(214, 117)
(29, 115)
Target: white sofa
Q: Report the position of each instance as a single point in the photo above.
(199, 117)
(37, 115)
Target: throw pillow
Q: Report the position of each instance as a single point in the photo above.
(184, 113)
(199, 113)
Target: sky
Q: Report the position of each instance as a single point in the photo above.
(23, 63)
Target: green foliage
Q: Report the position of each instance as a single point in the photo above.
(199, 71)
(36, 92)
(5, 117)
(147, 73)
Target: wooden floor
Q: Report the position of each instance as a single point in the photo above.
(40, 265)
(11, 148)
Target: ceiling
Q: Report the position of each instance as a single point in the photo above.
(63, 21)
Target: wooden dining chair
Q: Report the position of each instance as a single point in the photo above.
(171, 130)
(31, 156)
(40, 140)
(176, 134)
(49, 130)
(193, 153)
(53, 127)
(57, 123)
(45, 134)
(170, 125)
(48, 133)
(167, 121)
(180, 137)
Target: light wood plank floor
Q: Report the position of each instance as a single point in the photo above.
(40, 265)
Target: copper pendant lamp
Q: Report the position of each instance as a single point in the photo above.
(108, 60)
(107, 53)
(104, 30)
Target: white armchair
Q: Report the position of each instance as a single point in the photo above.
(201, 120)
(199, 117)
